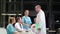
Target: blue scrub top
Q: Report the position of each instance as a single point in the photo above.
(10, 29)
(26, 20)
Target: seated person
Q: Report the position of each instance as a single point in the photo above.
(10, 27)
(18, 25)
(35, 27)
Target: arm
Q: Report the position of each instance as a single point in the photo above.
(30, 21)
(38, 21)
(25, 24)
(43, 23)
(23, 19)
(33, 26)
(12, 29)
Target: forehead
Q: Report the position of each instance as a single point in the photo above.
(26, 11)
(36, 6)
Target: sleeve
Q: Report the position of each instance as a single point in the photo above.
(38, 20)
(30, 21)
(23, 19)
(11, 29)
(43, 22)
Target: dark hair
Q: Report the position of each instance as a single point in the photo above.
(38, 6)
(18, 18)
(24, 12)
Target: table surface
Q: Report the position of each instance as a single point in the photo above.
(24, 32)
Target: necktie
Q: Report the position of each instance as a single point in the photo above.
(20, 26)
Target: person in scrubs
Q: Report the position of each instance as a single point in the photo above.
(26, 20)
(41, 19)
(10, 28)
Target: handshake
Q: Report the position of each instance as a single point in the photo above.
(35, 27)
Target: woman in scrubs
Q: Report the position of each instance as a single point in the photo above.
(26, 20)
(10, 27)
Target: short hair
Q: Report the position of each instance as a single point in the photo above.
(25, 11)
(11, 19)
(34, 18)
(38, 6)
(18, 18)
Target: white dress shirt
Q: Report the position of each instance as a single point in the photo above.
(41, 21)
(19, 26)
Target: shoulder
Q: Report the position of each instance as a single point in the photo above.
(9, 25)
(28, 17)
(41, 11)
(17, 24)
(23, 17)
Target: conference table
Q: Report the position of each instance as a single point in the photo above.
(3, 31)
(26, 32)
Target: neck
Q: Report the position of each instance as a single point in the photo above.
(19, 22)
(39, 10)
(26, 15)
(12, 23)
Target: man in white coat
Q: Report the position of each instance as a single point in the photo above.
(41, 19)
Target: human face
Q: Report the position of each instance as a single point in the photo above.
(26, 12)
(14, 21)
(20, 20)
(37, 8)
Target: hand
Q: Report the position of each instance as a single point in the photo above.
(19, 31)
(30, 26)
(27, 24)
(39, 29)
(33, 27)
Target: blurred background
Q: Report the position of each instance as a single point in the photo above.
(16, 8)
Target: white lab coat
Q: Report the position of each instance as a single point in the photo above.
(41, 21)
